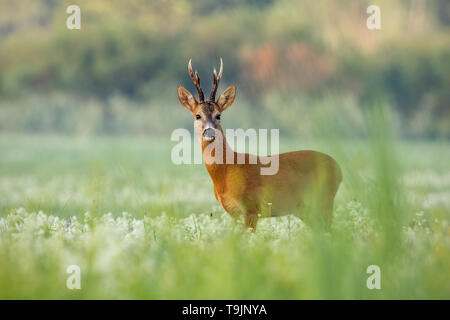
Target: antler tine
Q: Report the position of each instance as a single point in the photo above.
(220, 70)
(196, 80)
(216, 79)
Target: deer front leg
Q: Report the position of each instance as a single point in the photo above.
(251, 219)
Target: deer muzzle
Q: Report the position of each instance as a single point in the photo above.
(209, 134)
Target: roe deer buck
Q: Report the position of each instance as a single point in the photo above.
(306, 182)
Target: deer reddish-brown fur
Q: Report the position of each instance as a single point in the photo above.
(305, 184)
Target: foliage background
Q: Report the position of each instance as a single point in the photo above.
(118, 74)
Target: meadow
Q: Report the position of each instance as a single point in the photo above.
(141, 227)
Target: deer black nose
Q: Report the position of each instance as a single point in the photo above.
(209, 134)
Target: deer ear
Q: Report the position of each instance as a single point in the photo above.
(187, 100)
(226, 98)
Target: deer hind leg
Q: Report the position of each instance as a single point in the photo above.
(251, 219)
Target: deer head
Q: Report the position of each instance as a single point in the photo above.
(206, 113)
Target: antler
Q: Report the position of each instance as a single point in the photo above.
(217, 78)
(196, 81)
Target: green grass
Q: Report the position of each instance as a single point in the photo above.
(175, 241)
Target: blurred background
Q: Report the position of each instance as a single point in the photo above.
(292, 61)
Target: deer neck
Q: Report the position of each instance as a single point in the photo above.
(217, 169)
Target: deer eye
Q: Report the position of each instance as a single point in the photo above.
(218, 117)
(197, 117)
